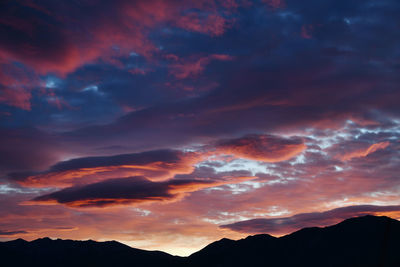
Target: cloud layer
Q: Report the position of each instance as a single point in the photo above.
(158, 164)
(171, 118)
(131, 190)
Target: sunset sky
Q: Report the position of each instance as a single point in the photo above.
(167, 125)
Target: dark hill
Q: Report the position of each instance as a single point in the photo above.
(363, 241)
(47, 252)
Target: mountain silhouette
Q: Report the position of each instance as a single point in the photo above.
(362, 241)
(45, 252)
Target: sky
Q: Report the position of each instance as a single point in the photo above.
(167, 125)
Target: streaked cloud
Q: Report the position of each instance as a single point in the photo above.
(157, 165)
(364, 151)
(315, 219)
(131, 190)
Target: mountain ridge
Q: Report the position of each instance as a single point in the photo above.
(359, 241)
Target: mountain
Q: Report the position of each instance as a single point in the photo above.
(362, 241)
(47, 252)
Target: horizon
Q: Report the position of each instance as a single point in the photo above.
(167, 125)
(321, 227)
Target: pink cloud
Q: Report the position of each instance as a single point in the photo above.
(17, 97)
(275, 3)
(306, 31)
(190, 219)
(156, 165)
(266, 148)
(212, 25)
(126, 27)
(16, 84)
(363, 152)
(191, 68)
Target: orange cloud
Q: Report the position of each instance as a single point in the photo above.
(156, 165)
(266, 148)
(189, 219)
(159, 165)
(364, 152)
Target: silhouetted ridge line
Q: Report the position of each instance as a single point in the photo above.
(362, 241)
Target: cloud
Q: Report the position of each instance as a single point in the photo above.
(27, 149)
(306, 31)
(277, 83)
(46, 38)
(213, 24)
(363, 152)
(16, 84)
(185, 69)
(309, 185)
(8, 233)
(288, 224)
(275, 3)
(251, 93)
(132, 190)
(157, 165)
(16, 97)
(266, 148)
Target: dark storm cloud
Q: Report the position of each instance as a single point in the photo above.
(298, 221)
